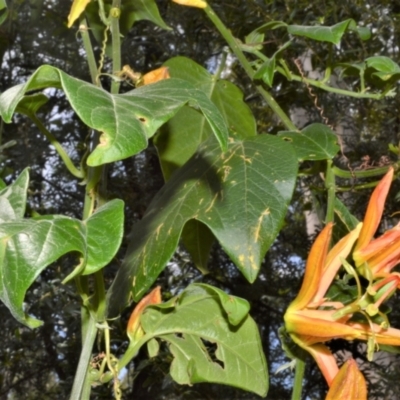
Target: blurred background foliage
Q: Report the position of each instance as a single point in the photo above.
(40, 364)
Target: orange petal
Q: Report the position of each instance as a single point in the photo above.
(318, 326)
(381, 251)
(334, 261)
(349, 383)
(314, 269)
(133, 329)
(374, 210)
(323, 357)
(390, 336)
(154, 76)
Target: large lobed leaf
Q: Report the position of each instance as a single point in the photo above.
(241, 195)
(126, 121)
(181, 136)
(202, 317)
(28, 246)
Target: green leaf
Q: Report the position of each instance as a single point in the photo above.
(194, 327)
(153, 348)
(139, 10)
(30, 104)
(131, 11)
(364, 32)
(236, 308)
(27, 247)
(179, 139)
(182, 135)
(347, 218)
(105, 229)
(127, 120)
(241, 195)
(3, 11)
(267, 70)
(271, 25)
(13, 198)
(198, 240)
(385, 67)
(255, 40)
(332, 34)
(315, 142)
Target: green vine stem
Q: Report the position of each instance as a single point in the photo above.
(81, 386)
(298, 379)
(115, 13)
(234, 45)
(331, 190)
(87, 44)
(93, 307)
(327, 88)
(60, 150)
(366, 173)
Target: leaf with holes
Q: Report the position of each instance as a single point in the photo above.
(127, 120)
(241, 195)
(314, 142)
(206, 346)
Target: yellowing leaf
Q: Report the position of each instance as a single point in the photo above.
(78, 7)
(192, 3)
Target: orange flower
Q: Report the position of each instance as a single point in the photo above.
(377, 257)
(311, 320)
(349, 383)
(134, 329)
(308, 326)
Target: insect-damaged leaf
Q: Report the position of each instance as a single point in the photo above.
(241, 195)
(198, 319)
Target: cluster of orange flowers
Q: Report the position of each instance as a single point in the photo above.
(312, 319)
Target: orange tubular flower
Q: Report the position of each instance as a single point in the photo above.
(134, 329)
(377, 255)
(310, 326)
